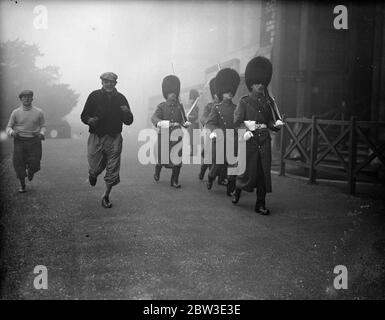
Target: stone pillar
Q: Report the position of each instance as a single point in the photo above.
(378, 78)
(303, 78)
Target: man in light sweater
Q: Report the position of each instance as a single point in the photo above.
(27, 126)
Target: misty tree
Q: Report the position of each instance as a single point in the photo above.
(18, 71)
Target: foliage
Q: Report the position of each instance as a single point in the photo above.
(18, 71)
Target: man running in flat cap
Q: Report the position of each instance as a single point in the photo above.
(257, 114)
(27, 126)
(105, 111)
(221, 118)
(169, 116)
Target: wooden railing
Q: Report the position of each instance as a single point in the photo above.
(338, 147)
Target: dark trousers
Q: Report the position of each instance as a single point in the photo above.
(27, 154)
(261, 185)
(204, 166)
(222, 173)
(217, 170)
(174, 175)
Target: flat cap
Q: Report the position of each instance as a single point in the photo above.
(109, 76)
(26, 93)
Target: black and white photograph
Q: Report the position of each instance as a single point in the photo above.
(205, 153)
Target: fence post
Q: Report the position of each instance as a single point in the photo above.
(282, 150)
(313, 149)
(352, 156)
(342, 128)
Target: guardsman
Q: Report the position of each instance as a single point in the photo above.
(206, 112)
(257, 113)
(169, 116)
(203, 120)
(27, 127)
(104, 112)
(222, 117)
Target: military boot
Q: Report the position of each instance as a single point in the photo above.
(157, 172)
(236, 195)
(175, 177)
(230, 187)
(261, 208)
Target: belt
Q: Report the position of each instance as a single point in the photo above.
(252, 125)
(259, 126)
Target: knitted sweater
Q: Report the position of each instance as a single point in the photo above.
(26, 121)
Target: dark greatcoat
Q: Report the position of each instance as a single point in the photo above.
(257, 109)
(174, 112)
(221, 117)
(203, 119)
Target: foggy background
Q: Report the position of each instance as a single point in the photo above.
(141, 42)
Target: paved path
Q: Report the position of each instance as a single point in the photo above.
(162, 243)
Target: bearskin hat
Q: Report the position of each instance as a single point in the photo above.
(258, 71)
(226, 80)
(212, 87)
(170, 84)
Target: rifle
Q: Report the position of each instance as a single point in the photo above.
(192, 107)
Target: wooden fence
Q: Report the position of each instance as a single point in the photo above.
(338, 147)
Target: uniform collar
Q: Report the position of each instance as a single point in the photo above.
(257, 96)
(226, 102)
(171, 103)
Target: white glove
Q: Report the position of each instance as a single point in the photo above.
(187, 124)
(249, 125)
(278, 124)
(213, 135)
(248, 135)
(163, 124)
